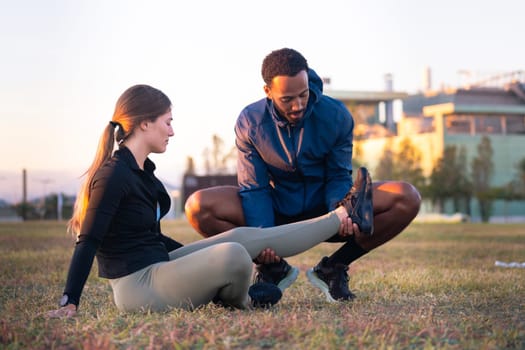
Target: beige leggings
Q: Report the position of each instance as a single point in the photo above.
(219, 265)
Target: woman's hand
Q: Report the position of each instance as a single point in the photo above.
(67, 311)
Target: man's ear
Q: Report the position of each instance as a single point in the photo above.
(268, 91)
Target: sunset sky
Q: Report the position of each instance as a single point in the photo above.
(63, 64)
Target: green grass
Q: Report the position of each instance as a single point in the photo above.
(433, 287)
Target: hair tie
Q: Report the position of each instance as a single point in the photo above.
(113, 124)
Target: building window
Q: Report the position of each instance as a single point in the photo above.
(488, 124)
(515, 124)
(427, 125)
(485, 124)
(458, 124)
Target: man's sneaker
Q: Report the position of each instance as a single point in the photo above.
(280, 274)
(332, 280)
(264, 295)
(358, 202)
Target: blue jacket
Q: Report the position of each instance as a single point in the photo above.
(293, 169)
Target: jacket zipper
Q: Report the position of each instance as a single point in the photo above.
(283, 144)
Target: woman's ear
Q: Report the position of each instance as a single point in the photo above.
(144, 125)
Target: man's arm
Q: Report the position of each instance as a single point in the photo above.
(339, 162)
(253, 180)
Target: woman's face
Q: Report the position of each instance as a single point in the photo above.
(159, 132)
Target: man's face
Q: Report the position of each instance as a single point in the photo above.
(289, 95)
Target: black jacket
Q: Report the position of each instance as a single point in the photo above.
(122, 223)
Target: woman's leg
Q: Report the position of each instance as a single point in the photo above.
(285, 240)
(188, 282)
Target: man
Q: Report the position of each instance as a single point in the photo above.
(294, 162)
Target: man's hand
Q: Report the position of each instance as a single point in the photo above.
(67, 311)
(267, 256)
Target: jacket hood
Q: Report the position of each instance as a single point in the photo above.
(315, 84)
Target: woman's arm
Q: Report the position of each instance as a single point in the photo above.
(107, 190)
(78, 273)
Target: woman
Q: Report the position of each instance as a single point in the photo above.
(117, 219)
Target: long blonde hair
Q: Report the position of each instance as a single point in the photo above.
(137, 104)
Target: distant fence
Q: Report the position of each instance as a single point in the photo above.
(192, 183)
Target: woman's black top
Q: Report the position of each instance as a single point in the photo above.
(122, 223)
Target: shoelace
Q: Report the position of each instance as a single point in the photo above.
(348, 197)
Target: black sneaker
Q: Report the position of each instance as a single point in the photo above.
(280, 274)
(264, 295)
(358, 202)
(332, 280)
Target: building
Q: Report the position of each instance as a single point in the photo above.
(433, 120)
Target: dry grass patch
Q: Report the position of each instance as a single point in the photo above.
(433, 287)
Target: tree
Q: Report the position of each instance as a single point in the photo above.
(217, 153)
(216, 160)
(449, 180)
(520, 179)
(482, 171)
(407, 164)
(515, 189)
(207, 162)
(438, 189)
(464, 185)
(521, 170)
(190, 166)
(385, 167)
(357, 156)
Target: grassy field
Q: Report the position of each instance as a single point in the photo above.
(433, 287)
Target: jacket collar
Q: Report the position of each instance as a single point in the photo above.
(125, 155)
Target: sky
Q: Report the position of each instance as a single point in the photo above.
(64, 63)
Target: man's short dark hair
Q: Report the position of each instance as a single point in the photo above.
(287, 62)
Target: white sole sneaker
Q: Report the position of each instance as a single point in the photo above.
(319, 283)
(289, 279)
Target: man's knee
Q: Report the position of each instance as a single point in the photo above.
(198, 217)
(397, 197)
(193, 205)
(412, 198)
(214, 210)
